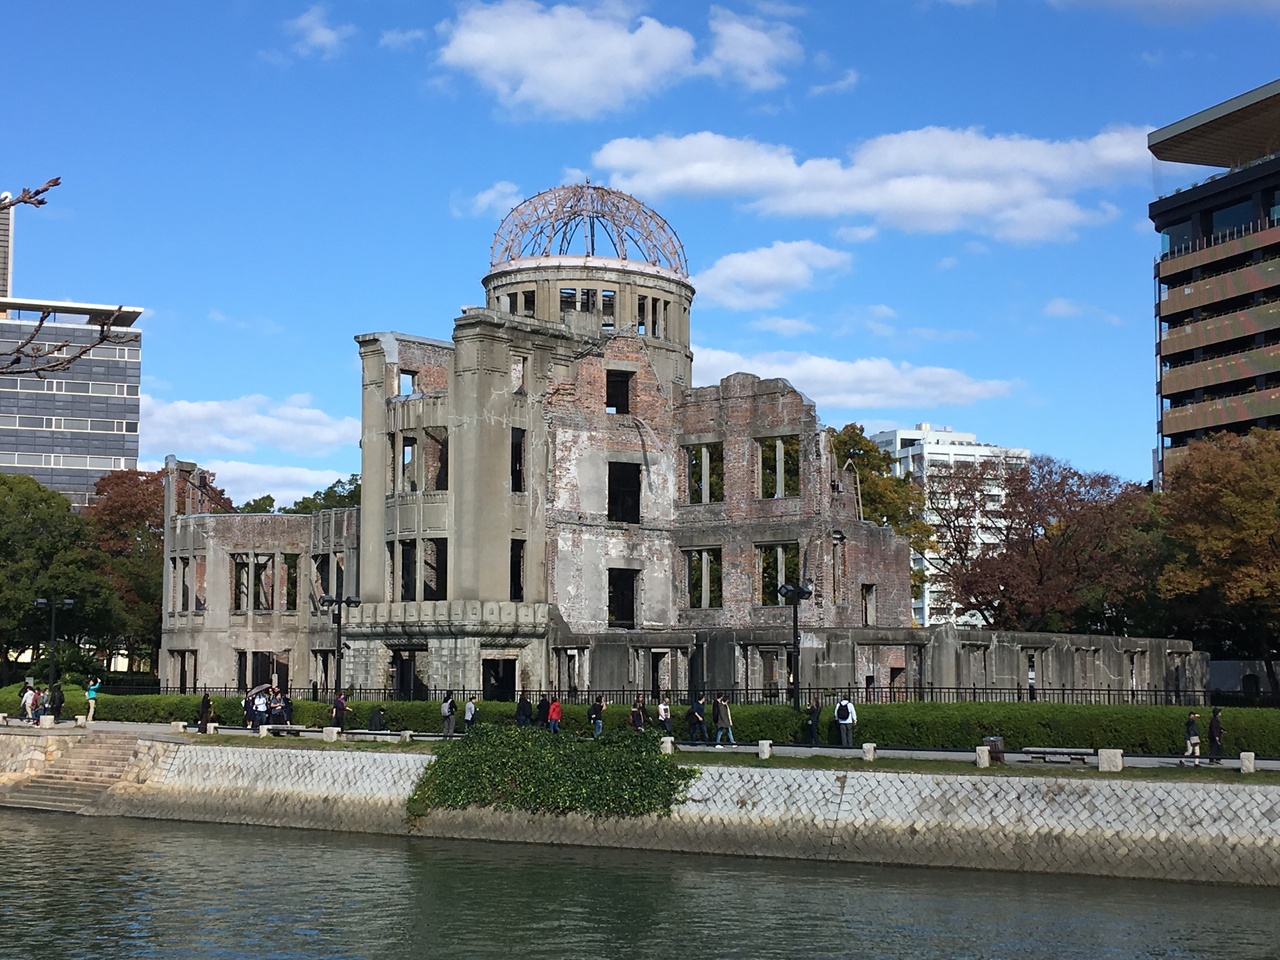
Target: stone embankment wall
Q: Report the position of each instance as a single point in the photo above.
(1202, 832)
(25, 753)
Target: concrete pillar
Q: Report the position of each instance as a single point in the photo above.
(211, 728)
(869, 752)
(1247, 764)
(82, 720)
(406, 736)
(983, 756)
(330, 734)
(263, 731)
(46, 720)
(765, 749)
(1110, 761)
(178, 726)
(667, 745)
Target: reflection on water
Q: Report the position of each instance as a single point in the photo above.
(135, 888)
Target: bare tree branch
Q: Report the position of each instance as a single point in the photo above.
(34, 197)
(32, 357)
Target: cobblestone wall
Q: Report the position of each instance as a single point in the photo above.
(1203, 832)
(25, 753)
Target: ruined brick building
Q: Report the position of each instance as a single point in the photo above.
(548, 503)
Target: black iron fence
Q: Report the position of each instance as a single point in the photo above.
(774, 694)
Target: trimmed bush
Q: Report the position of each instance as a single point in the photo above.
(621, 774)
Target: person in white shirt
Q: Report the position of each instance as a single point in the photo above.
(469, 712)
(846, 717)
(664, 714)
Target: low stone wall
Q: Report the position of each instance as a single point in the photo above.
(24, 752)
(1203, 832)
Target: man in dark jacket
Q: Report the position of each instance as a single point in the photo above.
(524, 711)
(1215, 737)
(544, 711)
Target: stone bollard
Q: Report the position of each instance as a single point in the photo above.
(406, 736)
(264, 730)
(330, 734)
(210, 727)
(1247, 764)
(667, 745)
(46, 720)
(177, 726)
(1110, 761)
(983, 756)
(764, 749)
(82, 720)
(869, 752)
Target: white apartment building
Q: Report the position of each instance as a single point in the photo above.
(914, 452)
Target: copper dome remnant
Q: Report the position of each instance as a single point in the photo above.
(588, 220)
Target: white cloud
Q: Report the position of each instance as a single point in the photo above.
(783, 326)
(498, 199)
(246, 481)
(850, 384)
(762, 278)
(1062, 307)
(932, 180)
(566, 61)
(315, 35)
(856, 234)
(948, 263)
(882, 310)
(401, 39)
(847, 82)
(241, 425)
(1167, 7)
(750, 49)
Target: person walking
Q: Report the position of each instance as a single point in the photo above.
(91, 696)
(554, 713)
(724, 721)
(339, 711)
(1215, 737)
(1193, 739)
(56, 701)
(524, 711)
(206, 713)
(846, 717)
(639, 715)
(815, 718)
(596, 715)
(664, 714)
(469, 713)
(697, 720)
(448, 711)
(544, 711)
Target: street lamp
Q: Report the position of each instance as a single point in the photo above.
(328, 603)
(53, 606)
(793, 594)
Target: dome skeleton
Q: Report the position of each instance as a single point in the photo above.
(550, 223)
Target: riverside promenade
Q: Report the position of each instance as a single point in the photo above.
(1159, 829)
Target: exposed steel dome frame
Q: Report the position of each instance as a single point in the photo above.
(592, 219)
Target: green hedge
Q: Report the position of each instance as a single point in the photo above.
(622, 774)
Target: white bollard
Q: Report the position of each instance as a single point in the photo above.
(869, 752)
(81, 720)
(667, 745)
(1247, 764)
(210, 727)
(764, 749)
(264, 730)
(406, 736)
(177, 726)
(983, 758)
(330, 734)
(1110, 761)
(46, 720)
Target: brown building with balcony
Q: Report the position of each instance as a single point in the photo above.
(1218, 277)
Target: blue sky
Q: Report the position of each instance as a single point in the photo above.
(915, 210)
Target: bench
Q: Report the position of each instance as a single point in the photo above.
(1058, 754)
(281, 729)
(395, 736)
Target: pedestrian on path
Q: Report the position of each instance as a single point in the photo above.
(815, 719)
(697, 720)
(339, 711)
(1215, 737)
(469, 713)
(596, 715)
(91, 695)
(723, 720)
(664, 714)
(846, 717)
(554, 713)
(1193, 739)
(449, 711)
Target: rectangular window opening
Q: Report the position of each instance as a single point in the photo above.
(617, 391)
(517, 571)
(264, 575)
(435, 569)
(868, 604)
(779, 467)
(622, 598)
(528, 301)
(517, 460)
(706, 472)
(517, 375)
(777, 563)
(408, 382)
(568, 302)
(608, 299)
(408, 570)
(704, 578)
(624, 492)
(185, 573)
(408, 465)
(291, 581)
(435, 457)
(512, 299)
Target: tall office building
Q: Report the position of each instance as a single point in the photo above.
(66, 428)
(1218, 276)
(914, 453)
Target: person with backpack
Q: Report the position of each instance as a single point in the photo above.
(846, 717)
(448, 710)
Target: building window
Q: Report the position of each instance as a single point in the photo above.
(184, 565)
(320, 563)
(624, 492)
(435, 458)
(617, 391)
(408, 465)
(703, 577)
(435, 569)
(408, 570)
(779, 467)
(517, 571)
(776, 563)
(517, 460)
(622, 598)
(527, 298)
(408, 382)
(706, 472)
(264, 582)
(517, 373)
(868, 604)
(291, 581)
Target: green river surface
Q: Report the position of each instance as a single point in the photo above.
(117, 888)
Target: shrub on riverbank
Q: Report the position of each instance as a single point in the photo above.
(620, 775)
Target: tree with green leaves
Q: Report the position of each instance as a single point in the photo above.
(263, 504)
(887, 500)
(340, 493)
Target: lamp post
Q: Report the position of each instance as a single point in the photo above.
(53, 606)
(793, 594)
(328, 603)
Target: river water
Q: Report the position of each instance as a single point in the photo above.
(100, 887)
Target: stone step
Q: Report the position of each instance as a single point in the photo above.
(55, 805)
(89, 779)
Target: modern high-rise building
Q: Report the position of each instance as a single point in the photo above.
(1218, 276)
(66, 427)
(915, 453)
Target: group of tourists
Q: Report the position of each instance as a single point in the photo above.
(449, 713)
(547, 715)
(1193, 738)
(35, 703)
(263, 706)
